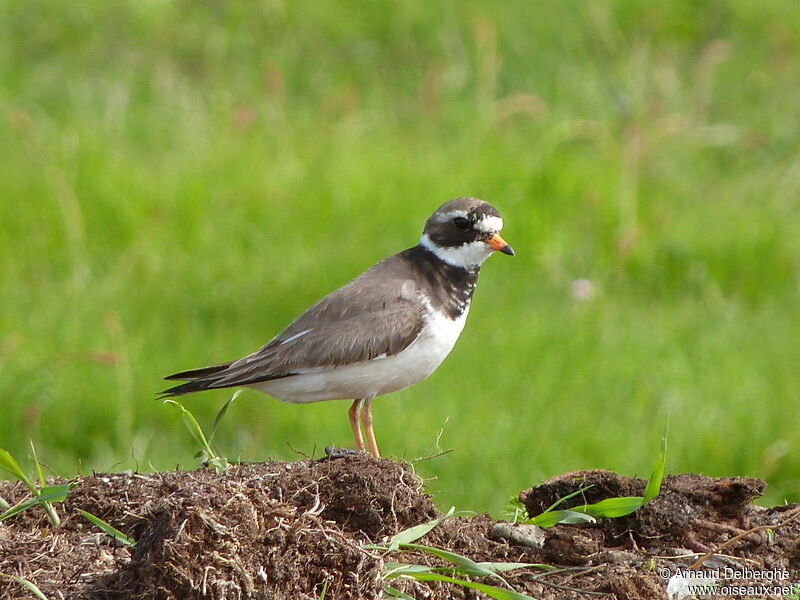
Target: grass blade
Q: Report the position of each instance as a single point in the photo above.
(39, 470)
(464, 564)
(56, 493)
(12, 466)
(52, 515)
(558, 517)
(608, 508)
(409, 535)
(657, 474)
(193, 426)
(567, 497)
(611, 508)
(392, 570)
(395, 593)
(219, 463)
(221, 413)
(110, 531)
(325, 584)
(490, 590)
(551, 517)
(484, 569)
(27, 584)
(500, 567)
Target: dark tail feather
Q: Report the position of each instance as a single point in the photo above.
(188, 387)
(214, 378)
(198, 373)
(198, 380)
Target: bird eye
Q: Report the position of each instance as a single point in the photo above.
(462, 224)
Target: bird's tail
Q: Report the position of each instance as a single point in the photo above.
(196, 380)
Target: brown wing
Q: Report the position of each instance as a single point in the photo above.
(378, 313)
(369, 317)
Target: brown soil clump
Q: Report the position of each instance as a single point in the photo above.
(291, 530)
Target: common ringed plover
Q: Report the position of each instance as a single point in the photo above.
(384, 331)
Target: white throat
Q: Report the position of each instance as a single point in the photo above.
(467, 255)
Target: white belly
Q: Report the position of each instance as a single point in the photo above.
(375, 377)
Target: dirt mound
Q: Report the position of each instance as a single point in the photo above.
(702, 524)
(291, 530)
(691, 511)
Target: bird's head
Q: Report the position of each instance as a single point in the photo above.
(464, 232)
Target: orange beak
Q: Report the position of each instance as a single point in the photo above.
(499, 244)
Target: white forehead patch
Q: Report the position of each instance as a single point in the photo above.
(489, 223)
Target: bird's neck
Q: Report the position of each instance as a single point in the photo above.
(449, 287)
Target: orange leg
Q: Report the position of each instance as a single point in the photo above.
(353, 415)
(366, 420)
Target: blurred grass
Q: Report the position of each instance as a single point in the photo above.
(180, 179)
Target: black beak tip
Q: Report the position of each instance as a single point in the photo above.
(507, 250)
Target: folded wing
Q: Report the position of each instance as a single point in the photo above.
(342, 328)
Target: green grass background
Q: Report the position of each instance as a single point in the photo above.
(179, 179)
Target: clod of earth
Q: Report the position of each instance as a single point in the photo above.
(285, 530)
